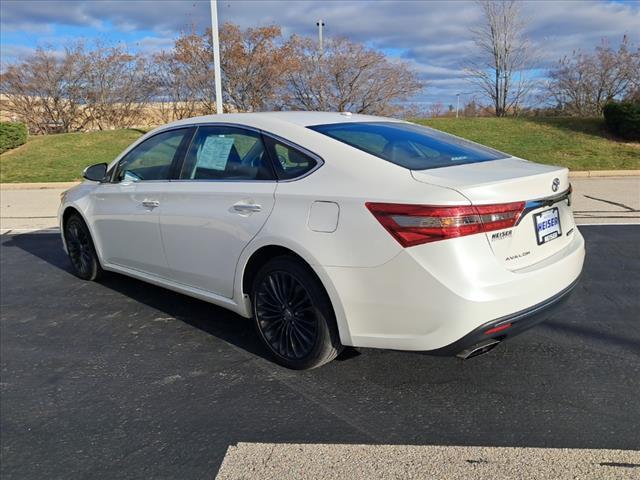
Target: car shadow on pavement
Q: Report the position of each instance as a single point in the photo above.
(204, 316)
(240, 331)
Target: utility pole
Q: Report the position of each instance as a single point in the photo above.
(320, 24)
(215, 41)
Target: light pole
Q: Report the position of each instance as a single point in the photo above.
(215, 41)
(458, 100)
(320, 24)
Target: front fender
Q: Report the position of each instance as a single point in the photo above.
(77, 198)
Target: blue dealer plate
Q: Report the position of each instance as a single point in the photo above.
(547, 225)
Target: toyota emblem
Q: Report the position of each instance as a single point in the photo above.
(555, 184)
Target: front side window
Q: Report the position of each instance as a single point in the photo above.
(289, 162)
(409, 145)
(226, 153)
(152, 159)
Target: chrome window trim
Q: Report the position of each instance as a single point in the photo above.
(319, 160)
(532, 205)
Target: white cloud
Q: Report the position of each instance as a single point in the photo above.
(433, 36)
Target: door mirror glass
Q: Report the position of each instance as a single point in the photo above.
(95, 173)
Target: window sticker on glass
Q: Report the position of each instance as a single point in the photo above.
(214, 152)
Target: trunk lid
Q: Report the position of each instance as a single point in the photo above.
(545, 226)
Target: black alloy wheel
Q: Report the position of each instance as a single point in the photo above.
(286, 315)
(293, 315)
(81, 250)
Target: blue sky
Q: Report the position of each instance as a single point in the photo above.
(432, 35)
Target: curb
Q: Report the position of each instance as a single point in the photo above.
(49, 185)
(605, 173)
(30, 231)
(37, 186)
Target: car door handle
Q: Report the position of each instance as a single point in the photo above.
(242, 207)
(150, 203)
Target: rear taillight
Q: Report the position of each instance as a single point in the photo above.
(416, 224)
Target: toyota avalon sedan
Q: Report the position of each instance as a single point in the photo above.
(332, 229)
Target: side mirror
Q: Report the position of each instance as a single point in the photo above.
(95, 173)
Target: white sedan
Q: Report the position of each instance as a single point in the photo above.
(332, 229)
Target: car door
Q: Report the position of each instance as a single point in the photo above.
(222, 199)
(126, 209)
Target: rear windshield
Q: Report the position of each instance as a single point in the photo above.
(409, 145)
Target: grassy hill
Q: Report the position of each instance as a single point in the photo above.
(62, 157)
(577, 143)
(580, 144)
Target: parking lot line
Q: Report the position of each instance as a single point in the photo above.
(337, 461)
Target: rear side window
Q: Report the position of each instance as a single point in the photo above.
(409, 145)
(226, 153)
(289, 162)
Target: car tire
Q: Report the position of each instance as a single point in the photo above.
(81, 250)
(293, 314)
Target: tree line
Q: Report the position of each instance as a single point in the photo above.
(579, 84)
(109, 87)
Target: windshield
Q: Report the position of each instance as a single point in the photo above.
(409, 145)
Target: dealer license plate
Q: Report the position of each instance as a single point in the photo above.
(547, 225)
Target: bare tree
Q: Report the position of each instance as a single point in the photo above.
(174, 99)
(582, 84)
(254, 64)
(436, 109)
(471, 109)
(117, 86)
(77, 89)
(307, 77)
(504, 56)
(195, 55)
(184, 78)
(45, 90)
(347, 76)
(108, 87)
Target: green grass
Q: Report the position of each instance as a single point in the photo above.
(62, 157)
(577, 143)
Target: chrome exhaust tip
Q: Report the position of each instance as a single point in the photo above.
(478, 349)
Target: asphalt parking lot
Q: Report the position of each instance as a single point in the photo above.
(121, 379)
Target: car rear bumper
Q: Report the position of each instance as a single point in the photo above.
(440, 297)
(507, 326)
